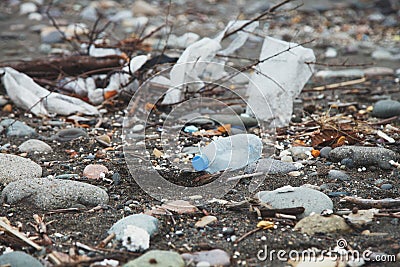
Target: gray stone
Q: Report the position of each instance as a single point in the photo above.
(157, 258)
(238, 109)
(89, 13)
(386, 109)
(47, 193)
(13, 168)
(324, 152)
(291, 197)
(382, 54)
(256, 7)
(69, 134)
(51, 35)
(19, 259)
(201, 121)
(17, 129)
(364, 156)
(120, 15)
(386, 186)
(34, 145)
(234, 120)
(270, 166)
(146, 222)
(338, 175)
(378, 71)
(320, 224)
(3, 101)
(215, 257)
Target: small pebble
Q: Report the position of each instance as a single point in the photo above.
(94, 171)
(348, 162)
(386, 186)
(325, 152)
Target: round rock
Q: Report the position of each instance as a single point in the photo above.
(46, 193)
(17, 129)
(146, 222)
(13, 168)
(338, 175)
(386, 109)
(325, 152)
(94, 171)
(364, 156)
(234, 120)
(386, 186)
(34, 145)
(215, 257)
(291, 197)
(69, 134)
(157, 258)
(321, 224)
(19, 259)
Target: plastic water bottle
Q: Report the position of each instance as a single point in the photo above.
(233, 152)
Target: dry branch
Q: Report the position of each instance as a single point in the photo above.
(70, 65)
(374, 203)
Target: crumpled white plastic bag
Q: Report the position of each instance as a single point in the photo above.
(276, 82)
(27, 94)
(196, 57)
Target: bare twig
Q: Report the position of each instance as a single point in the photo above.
(344, 64)
(336, 85)
(244, 176)
(106, 240)
(248, 234)
(375, 203)
(11, 230)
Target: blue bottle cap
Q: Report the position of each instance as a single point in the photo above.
(200, 162)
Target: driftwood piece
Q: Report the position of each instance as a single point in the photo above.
(374, 203)
(52, 68)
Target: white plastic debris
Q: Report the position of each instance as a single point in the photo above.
(190, 64)
(241, 36)
(103, 52)
(197, 56)
(385, 136)
(278, 80)
(79, 86)
(135, 63)
(27, 94)
(136, 238)
(107, 262)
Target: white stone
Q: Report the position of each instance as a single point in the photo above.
(27, 8)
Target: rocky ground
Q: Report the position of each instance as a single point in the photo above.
(68, 186)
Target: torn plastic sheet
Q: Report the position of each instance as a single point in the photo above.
(278, 81)
(86, 87)
(194, 60)
(216, 71)
(27, 94)
(190, 64)
(241, 36)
